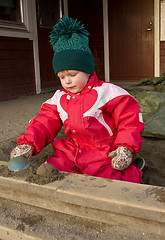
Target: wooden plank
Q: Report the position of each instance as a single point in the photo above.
(113, 202)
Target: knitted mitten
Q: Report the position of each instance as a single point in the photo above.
(121, 158)
(22, 150)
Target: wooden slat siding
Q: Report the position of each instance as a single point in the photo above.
(17, 77)
(90, 13)
(162, 57)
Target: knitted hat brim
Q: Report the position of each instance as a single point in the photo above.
(73, 60)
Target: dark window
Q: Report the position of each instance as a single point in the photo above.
(10, 10)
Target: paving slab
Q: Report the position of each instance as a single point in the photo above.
(114, 202)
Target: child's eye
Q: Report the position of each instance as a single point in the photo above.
(73, 74)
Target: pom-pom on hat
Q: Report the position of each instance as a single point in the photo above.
(70, 43)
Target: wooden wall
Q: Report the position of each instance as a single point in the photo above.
(17, 77)
(90, 13)
(162, 57)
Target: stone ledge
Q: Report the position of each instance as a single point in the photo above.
(109, 201)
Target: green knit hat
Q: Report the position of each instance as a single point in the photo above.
(70, 43)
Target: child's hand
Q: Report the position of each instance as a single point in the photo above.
(121, 158)
(22, 150)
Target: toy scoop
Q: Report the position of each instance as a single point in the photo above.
(18, 163)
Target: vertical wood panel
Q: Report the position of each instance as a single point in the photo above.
(48, 78)
(48, 13)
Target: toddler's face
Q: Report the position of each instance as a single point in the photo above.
(72, 80)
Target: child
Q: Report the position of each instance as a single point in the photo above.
(102, 121)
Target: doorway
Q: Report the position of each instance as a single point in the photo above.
(131, 36)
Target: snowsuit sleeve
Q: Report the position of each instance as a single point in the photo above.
(128, 122)
(42, 129)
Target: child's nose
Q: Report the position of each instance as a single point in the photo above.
(67, 80)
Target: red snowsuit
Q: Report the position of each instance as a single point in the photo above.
(97, 120)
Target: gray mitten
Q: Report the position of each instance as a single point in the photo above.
(22, 150)
(121, 158)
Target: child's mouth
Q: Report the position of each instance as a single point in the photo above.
(70, 88)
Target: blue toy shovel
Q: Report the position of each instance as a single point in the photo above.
(18, 163)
